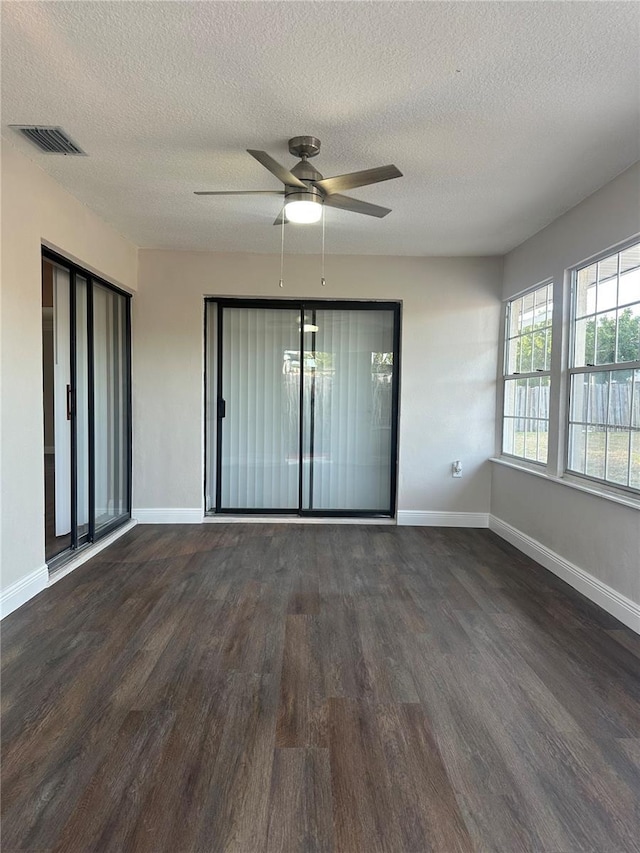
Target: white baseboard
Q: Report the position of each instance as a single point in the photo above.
(618, 605)
(21, 591)
(420, 518)
(26, 588)
(168, 515)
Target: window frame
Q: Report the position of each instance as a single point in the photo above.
(607, 367)
(534, 374)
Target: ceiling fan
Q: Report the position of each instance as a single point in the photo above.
(306, 191)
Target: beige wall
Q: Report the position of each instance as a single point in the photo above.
(597, 535)
(35, 209)
(449, 351)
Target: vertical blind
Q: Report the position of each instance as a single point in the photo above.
(261, 389)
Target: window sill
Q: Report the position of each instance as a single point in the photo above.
(599, 492)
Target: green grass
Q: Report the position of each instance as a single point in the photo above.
(617, 452)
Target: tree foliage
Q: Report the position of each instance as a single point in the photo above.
(628, 343)
(605, 340)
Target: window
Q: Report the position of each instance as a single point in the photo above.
(604, 373)
(527, 378)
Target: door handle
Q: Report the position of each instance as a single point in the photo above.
(222, 408)
(68, 402)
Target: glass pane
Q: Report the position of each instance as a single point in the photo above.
(82, 409)
(545, 389)
(515, 318)
(635, 406)
(528, 303)
(630, 258)
(620, 389)
(315, 366)
(617, 456)
(531, 440)
(628, 344)
(547, 348)
(353, 410)
(543, 441)
(586, 291)
(607, 269)
(606, 338)
(577, 446)
(542, 316)
(514, 347)
(584, 342)
(629, 287)
(598, 398)
(520, 416)
(595, 442)
(57, 374)
(515, 402)
(579, 397)
(607, 294)
(539, 350)
(261, 374)
(526, 354)
(111, 429)
(508, 436)
(634, 461)
(510, 396)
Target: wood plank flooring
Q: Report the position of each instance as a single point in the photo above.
(312, 688)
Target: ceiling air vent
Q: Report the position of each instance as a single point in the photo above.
(50, 140)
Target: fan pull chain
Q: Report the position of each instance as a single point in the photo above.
(322, 278)
(281, 283)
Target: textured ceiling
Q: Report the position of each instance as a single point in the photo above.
(501, 115)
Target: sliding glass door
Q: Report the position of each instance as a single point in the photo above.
(80, 411)
(110, 400)
(304, 407)
(349, 413)
(86, 406)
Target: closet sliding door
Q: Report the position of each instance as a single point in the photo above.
(303, 407)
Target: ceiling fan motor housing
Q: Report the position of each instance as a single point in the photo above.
(306, 172)
(310, 194)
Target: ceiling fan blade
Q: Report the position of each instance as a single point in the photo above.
(345, 203)
(241, 192)
(358, 179)
(276, 169)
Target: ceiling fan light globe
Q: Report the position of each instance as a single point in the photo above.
(303, 212)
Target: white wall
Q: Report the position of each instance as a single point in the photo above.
(36, 210)
(449, 351)
(595, 534)
(609, 216)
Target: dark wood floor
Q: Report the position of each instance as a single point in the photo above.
(318, 688)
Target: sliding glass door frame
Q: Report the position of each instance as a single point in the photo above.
(215, 402)
(91, 535)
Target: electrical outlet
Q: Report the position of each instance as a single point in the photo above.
(456, 468)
